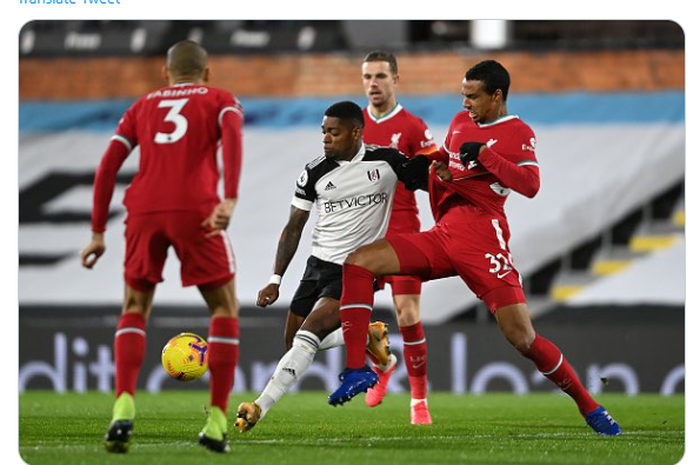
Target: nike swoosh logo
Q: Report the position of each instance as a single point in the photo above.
(500, 276)
(418, 365)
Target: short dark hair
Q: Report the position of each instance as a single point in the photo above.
(378, 55)
(347, 110)
(492, 74)
(187, 58)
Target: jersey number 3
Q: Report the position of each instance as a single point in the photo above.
(173, 116)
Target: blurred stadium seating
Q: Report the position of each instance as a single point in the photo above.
(139, 38)
(602, 243)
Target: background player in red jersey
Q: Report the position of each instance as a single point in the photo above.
(387, 123)
(470, 238)
(173, 201)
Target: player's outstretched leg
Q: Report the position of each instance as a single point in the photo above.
(353, 382)
(289, 370)
(249, 414)
(514, 321)
(214, 436)
(552, 364)
(122, 424)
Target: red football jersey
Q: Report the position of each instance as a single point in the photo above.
(178, 129)
(409, 135)
(506, 164)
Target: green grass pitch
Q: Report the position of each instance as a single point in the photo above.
(302, 429)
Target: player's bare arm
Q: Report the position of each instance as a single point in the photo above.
(93, 251)
(286, 248)
(220, 217)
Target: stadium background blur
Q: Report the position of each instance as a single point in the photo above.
(601, 248)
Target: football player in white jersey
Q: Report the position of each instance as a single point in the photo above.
(352, 187)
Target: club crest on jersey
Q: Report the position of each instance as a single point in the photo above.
(395, 140)
(373, 175)
(530, 147)
(303, 179)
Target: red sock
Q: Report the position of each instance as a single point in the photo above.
(129, 351)
(551, 363)
(355, 312)
(415, 352)
(223, 358)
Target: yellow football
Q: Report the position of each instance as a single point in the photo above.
(184, 357)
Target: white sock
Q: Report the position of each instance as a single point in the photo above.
(334, 339)
(290, 368)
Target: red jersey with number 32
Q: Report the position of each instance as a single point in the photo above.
(408, 134)
(510, 154)
(177, 129)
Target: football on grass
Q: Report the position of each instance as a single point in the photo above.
(184, 357)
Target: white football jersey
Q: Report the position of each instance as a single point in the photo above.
(353, 198)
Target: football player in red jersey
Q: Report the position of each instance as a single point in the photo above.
(470, 238)
(387, 123)
(173, 201)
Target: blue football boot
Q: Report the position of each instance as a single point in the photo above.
(353, 382)
(602, 423)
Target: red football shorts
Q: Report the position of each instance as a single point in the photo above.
(203, 261)
(402, 222)
(469, 244)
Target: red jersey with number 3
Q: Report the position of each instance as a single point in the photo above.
(409, 135)
(178, 129)
(507, 163)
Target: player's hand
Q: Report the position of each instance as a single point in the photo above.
(442, 171)
(415, 173)
(93, 251)
(268, 295)
(469, 152)
(220, 218)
